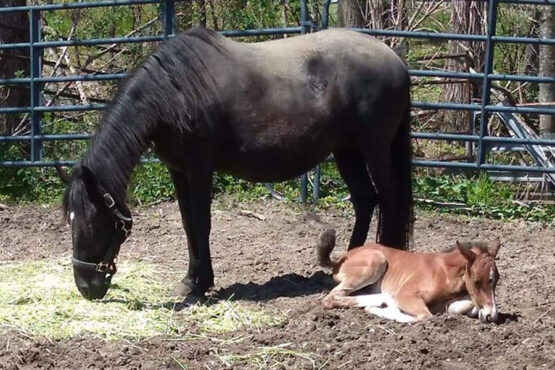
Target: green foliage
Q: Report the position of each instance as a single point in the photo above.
(27, 184)
(479, 196)
(150, 183)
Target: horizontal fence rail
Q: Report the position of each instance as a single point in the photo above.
(167, 20)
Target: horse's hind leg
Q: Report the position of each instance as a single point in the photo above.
(390, 169)
(384, 139)
(353, 170)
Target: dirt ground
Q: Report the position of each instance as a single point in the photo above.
(272, 262)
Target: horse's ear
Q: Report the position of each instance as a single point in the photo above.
(64, 176)
(494, 246)
(466, 252)
(89, 178)
(88, 175)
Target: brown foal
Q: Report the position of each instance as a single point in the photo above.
(406, 286)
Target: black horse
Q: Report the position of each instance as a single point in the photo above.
(263, 112)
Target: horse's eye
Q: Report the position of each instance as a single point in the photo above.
(478, 283)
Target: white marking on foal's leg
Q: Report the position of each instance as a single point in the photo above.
(462, 307)
(71, 216)
(390, 313)
(373, 300)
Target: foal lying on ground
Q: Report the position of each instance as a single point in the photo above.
(408, 286)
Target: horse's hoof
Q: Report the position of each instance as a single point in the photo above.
(181, 290)
(190, 301)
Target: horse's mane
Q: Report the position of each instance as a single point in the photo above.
(173, 87)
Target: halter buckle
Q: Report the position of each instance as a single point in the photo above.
(105, 267)
(109, 200)
(102, 267)
(120, 226)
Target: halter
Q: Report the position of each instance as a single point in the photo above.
(123, 230)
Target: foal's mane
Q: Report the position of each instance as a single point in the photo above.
(172, 90)
(478, 244)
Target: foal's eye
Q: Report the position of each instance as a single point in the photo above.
(478, 283)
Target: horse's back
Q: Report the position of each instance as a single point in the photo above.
(288, 102)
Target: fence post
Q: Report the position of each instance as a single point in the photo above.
(35, 72)
(486, 84)
(168, 18)
(326, 14)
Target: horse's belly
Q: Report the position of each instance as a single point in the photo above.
(272, 164)
(267, 142)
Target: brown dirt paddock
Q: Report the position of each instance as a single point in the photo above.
(271, 261)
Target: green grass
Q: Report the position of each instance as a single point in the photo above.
(39, 298)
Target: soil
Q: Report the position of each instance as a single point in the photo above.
(268, 259)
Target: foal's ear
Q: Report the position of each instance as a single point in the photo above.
(466, 252)
(494, 246)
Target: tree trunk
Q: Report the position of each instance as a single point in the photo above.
(350, 13)
(14, 28)
(547, 68)
(467, 17)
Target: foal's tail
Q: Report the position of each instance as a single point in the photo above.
(395, 225)
(327, 243)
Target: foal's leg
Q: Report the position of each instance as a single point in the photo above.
(413, 305)
(463, 306)
(355, 275)
(353, 170)
(390, 313)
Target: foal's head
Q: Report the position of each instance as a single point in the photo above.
(99, 224)
(481, 277)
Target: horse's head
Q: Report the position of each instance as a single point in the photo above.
(99, 225)
(481, 278)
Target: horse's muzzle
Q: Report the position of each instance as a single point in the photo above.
(91, 285)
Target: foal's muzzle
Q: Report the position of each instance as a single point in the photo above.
(488, 314)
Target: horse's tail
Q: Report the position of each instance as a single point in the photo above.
(327, 243)
(398, 231)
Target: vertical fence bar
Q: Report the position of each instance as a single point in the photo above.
(305, 28)
(306, 24)
(168, 18)
(35, 54)
(326, 14)
(486, 85)
(316, 188)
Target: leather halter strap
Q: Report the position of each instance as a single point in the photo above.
(122, 226)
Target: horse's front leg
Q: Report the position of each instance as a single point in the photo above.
(193, 191)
